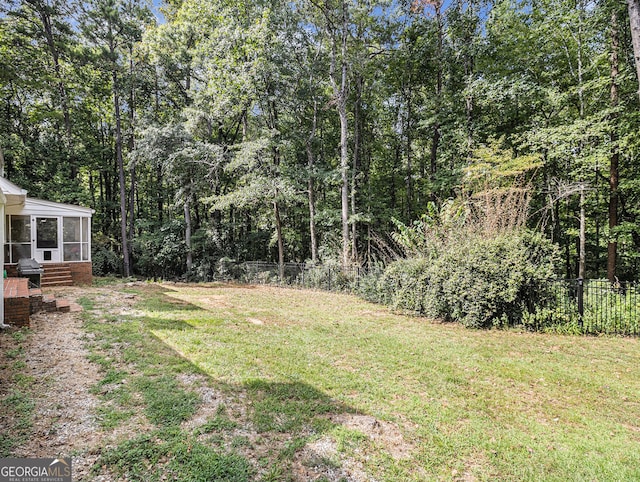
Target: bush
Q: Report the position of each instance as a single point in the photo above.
(160, 253)
(104, 258)
(480, 282)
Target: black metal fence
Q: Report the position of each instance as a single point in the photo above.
(584, 306)
(596, 306)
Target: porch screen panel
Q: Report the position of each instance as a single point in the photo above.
(18, 238)
(71, 238)
(75, 238)
(86, 255)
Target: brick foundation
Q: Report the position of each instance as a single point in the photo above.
(81, 272)
(17, 306)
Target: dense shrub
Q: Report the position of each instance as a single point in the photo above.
(104, 258)
(478, 281)
(160, 253)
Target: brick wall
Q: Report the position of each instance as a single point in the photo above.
(17, 307)
(35, 300)
(17, 311)
(82, 273)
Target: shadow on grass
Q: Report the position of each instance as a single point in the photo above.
(290, 407)
(257, 437)
(156, 299)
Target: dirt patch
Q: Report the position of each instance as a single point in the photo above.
(386, 434)
(320, 460)
(210, 400)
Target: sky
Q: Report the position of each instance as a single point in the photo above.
(156, 10)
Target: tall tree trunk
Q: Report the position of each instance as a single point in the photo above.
(357, 146)
(132, 168)
(582, 240)
(187, 231)
(159, 193)
(120, 161)
(43, 12)
(344, 190)
(276, 213)
(469, 67)
(633, 6)
(311, 185)
(435, 136)
(341, 101)
(580, 61)
(612, 248)
(409, 175)
(341, 35)
(45, 17)
(274, 124)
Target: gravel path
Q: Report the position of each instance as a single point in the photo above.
(60, 377)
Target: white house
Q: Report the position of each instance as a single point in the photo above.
(58, 236)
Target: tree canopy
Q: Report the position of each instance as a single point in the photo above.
(309, 130)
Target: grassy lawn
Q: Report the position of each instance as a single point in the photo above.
(262, 383)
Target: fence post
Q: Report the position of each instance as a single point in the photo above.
(580, 302)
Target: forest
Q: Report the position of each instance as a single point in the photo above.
(312, 130)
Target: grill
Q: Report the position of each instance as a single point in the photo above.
(30, 268)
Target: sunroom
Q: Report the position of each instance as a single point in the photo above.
(58, 236)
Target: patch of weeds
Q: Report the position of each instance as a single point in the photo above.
(216, 440)
(101, 360)
(113, 376)
(110, 417)
(18, 407)
(24, 381)
(167, 404)
(347, 439)
(19, 365)
(20, 335)
(220, 422)
(275, 474)
(87, 303)
(291, 447)
(240, 441)
(14, 353)
(145, 457)
(217, 424)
